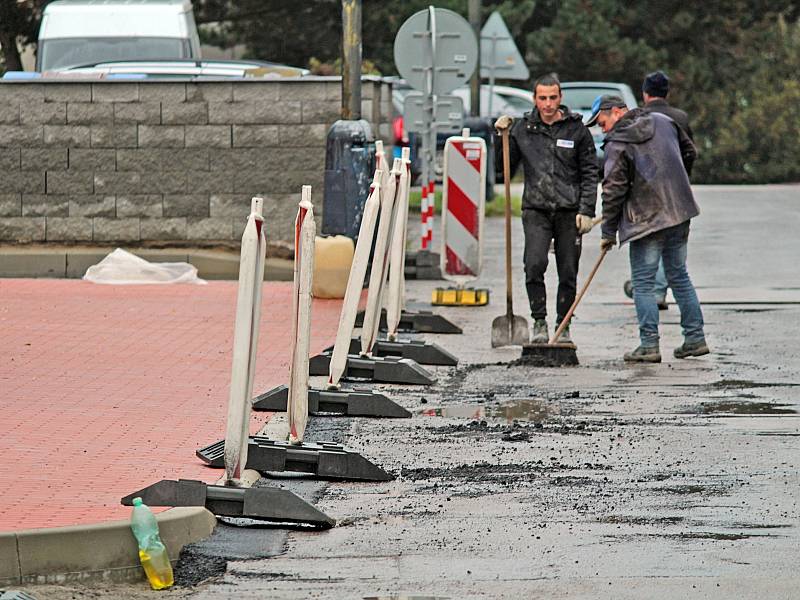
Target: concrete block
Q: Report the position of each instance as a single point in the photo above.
(209, 182)
(304, 90)
(163, 229)
(41, 113)
(139, 205)
(209, 92)
(113, 136)
(45, 205)
(257, 113)
(256, 136)
(208, 136)
(22, 229)
(112, 182)
(68, 92)
(184, 113)
(167, 182)
(72, 136)
(23, 182)
(326, 112)
(370, 111)
(137, 112)
(80, 259)
(26, 136)
(92, 206)
(92, 159)
(45, 159)
(235, 160)
(31, 262)
(9, 559)
(256, 91)
(89, 113)
(161, 136)
(185, 205)
(236, 206)
(69, 229)
(19, 92)
(112, 230)
(10, 159)
(288, 182)
(115, 91)
(303, 135)
(10, 205)
(151, 91)
(256, 182)
(296, 159)
(158, 159)
(216, 228)
(70, 182)
(9, 115)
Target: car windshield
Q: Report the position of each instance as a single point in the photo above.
(519, 104)
(580, 99)
(73, 52)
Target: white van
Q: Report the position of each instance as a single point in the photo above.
(85, 32)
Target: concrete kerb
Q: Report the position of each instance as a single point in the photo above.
(99, 552)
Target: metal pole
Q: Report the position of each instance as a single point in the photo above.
(475, 81)
(351, 60)
(491, 73)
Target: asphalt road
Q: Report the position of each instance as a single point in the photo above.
(677, 480)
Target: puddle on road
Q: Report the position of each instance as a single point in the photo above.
(732, 407)
(535, 410)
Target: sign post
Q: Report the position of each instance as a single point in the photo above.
(500, 56)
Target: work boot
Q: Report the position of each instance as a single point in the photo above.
(691, 349)
(627, 287)
(649, 354)
(662, 304)
(565, 337)
(540, 335)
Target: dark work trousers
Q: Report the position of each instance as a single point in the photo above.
(540, 227)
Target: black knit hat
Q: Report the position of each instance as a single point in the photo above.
(656, 84)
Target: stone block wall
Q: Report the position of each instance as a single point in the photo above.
(103, 162)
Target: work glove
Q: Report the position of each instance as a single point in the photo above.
(607, 243)
(502, 123)
(584, 223)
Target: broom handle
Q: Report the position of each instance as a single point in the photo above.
(507, 181)
(568, 316)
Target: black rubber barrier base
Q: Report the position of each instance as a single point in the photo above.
(379, 370)
(346, 403)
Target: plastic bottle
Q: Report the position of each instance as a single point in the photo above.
(152, 553)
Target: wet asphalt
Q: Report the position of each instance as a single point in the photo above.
(604, 480)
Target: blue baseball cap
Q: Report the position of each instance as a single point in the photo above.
(604, 102)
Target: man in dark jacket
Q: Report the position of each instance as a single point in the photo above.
(647, 201)
(558, 158)
(655, 89)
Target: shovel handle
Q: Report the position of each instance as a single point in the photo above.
(507, 182)
(568, 316)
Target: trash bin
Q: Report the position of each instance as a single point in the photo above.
(484, 129)
(349, 166)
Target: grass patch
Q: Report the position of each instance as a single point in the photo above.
(496, 207)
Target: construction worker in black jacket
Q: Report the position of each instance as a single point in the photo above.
(558, 202)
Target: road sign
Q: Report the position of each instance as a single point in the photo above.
(500, 56)
(435, 51)
(448, 115)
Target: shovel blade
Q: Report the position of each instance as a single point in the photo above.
(509, 330)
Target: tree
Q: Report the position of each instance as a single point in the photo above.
(19, 21)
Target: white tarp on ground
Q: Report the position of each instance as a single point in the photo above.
(123, 268)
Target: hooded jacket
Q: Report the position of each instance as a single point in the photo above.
(660, 105)
(645, 183)
(559, 162)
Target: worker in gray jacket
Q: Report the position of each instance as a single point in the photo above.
(648, 202)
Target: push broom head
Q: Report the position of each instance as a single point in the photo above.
(562, 354)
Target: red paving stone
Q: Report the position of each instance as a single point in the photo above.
(106, 389)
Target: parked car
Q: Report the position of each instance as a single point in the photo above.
(578, 96)
(204, 69)
(87, 32)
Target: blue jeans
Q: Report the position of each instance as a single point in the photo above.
(660, 286)
(668, 245)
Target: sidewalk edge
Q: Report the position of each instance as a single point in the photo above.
(103, 551)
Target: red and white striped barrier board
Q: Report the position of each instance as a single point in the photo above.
(463, 205)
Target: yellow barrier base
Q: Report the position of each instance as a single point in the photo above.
(460, 297)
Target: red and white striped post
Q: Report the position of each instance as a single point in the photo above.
(304, 233)
(463, 207)
(428, 203)
(245, 342)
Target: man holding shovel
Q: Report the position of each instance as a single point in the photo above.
(558, 202)
(648, 201)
